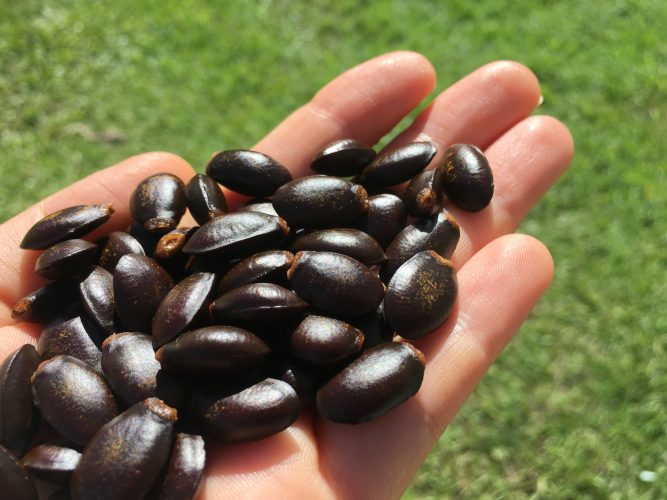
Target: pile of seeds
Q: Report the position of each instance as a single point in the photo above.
(161, 336)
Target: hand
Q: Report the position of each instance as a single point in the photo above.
(501, 275)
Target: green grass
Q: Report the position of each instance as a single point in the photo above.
(577, 406)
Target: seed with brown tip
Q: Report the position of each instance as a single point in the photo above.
(15, 482)
(343, 158)
(346, 241)
(50, 463)
(173, 242)
(264, 267)
(185, 470)
(158, 203)
(424, 193)
(70, 337)
(322, 340)
(65, 259)
(398, 165)
(205, 198)
(384, 219)
(44, 304)
(467, 177)
(115, 246)
(248, 172)
(97, 298)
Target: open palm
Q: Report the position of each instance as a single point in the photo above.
(501, 275)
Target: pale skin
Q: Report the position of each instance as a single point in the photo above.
(501, 275)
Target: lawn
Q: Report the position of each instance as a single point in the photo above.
(577, 405)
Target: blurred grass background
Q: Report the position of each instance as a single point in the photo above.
(577, 405)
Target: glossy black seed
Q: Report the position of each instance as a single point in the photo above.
(350, 242)
(258, 303)
(375, 327)
(97, 298)
(335, 283)
(116, 245)
(66, 224)
(467, 177)
(139, 285)
(343, 158)
(173, 242)
(125, 457)
(184, 471)
(14, 480)
(65, 259)
(205, 198)
(385, 218)
(399, 165)
(130, 367)
(70, 337)
(380, 379)
(237, 235)
(258, 205)
(248, 172)
(264, 267)
(184, 304)
(73, 397)
(322, 340)
(254, 413)
(423, 195)
(320, 201)
(439, 232)
(420, 295)
(16, 412)
(50, 463)
(158, 203)
(44, 304)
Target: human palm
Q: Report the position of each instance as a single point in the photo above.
(501, 275)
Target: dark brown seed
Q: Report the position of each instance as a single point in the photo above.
(248, 172)
(385, 218)
(343, 158)
(423, 196)
(399, 165)
(264, 267)
(420, 295)
(14, 480)
(139, 285)
(65, 259)
(158, 203)
(44, 304)
(254, 413)
(321, 340)
(320, 201)
(350, 242)
(70, 337)
(205, 198)
(118, 244)
(237, 235)
(335, 283)
(184, 304)
(50, 463)
(467, 177)
(97, 298)
(146, 239)
(125, 457)
(375, 327)
(303, 378)
(380, 379)
(130, 367)
(72, 222)
(73, 397)
(258, 205)
(173, 242)
(185, 470)
(439, 232)
(258, 303)
(16, 413)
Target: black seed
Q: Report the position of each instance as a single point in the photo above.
(264, 267)
(467, 177)
(50, 463)
(248, 172)
(66, 224)
(343, 158)
(185, 470)
(258, 205)
(205, 198)
(350, 242)
(420, 295)
(97, 298)
(158, 203)
(399, 165)
(380, 379)
(322, 340)
(118, 244)
(15, 482)
(320, 201)
(70, 337)
(423, 196)
(65, 259)
(385, 218)
(44, 304)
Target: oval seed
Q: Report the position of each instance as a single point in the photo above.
(380, 379)
(173, 242)
(386, 217)
(254, 413)
(70, 337)
(116, 245)
(350, 242)
(97, 298)
(16, 484)
(185, 470)
(399, 165)
(205, 198)
(66, 224)
(335, 283)
(423, 196)
(158, 203)
(125, 457)
(16, 414)
(343, 158)
(264, 267)
(65, 259)
(467, 177)
(420, 295)
(322, 340)
(73, 398)
(320, 201)
(44, 304)
(248, 172)
(53, 464)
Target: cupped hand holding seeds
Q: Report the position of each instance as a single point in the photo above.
(501, 276)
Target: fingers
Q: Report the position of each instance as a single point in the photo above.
(112, 185)
(498, 288)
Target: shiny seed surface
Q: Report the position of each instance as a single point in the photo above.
(467, 177)
(115, 246)
(343, 158)
(50, 463)
(265, 267)
(399, 165)
(65, 259)
(248, 172)
(185, 469)
(258, 205)
(322, 340)
(351, 242)
(385, 218)
(96, 292)
(424, 193)
(173, 242)
(71, 337)
(15, 482)
(158, 203)
(205, 198)
(45, 303)
(258, 303)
